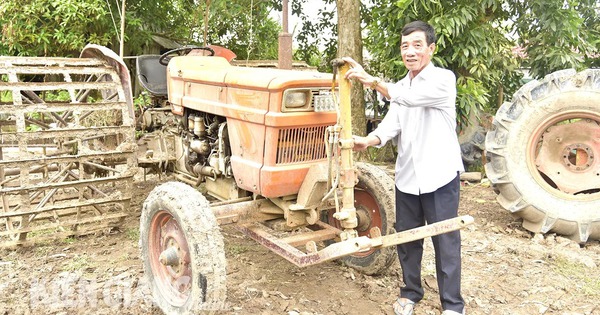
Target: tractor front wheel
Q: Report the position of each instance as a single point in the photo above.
(182, 251)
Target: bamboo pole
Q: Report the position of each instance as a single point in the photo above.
(122, 39)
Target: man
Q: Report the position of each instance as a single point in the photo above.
(422, 119)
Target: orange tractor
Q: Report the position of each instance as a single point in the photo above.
(266, 150)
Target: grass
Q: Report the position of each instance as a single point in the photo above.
(235, 249)
(79, 262)
(588, 282)
(69, 240)
(6, 97)
(133, 234)
(43, 250)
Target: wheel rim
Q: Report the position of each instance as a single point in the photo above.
(170, 259)
(563, 152)
(369, 216)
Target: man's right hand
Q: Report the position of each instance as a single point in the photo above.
(362, 143)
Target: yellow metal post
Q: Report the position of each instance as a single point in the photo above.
(348, 178)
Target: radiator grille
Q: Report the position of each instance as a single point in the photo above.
(301, 145)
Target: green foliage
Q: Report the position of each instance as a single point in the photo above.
(64, 27)
(558, 34)
(476, 40)
(57, 96)
(52, 27)
(472, 94)
(6, 96)
(317, 38)
(471, 43)
(244, 26)
(141, 101)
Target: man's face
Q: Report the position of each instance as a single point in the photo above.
(416, 54)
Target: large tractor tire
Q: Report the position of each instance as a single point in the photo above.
(182, 251)
(374, 203)
(544, 154)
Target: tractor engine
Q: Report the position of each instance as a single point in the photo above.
(196, 143)
(205, 145)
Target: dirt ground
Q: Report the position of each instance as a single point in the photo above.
(506, 270)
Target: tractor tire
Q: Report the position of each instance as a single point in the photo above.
(544, 154)
(182, 251)
(374, 201)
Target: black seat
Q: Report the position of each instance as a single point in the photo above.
(152, 75)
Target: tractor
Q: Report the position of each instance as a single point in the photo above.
(269, 146)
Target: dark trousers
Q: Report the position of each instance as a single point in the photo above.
(414, 211)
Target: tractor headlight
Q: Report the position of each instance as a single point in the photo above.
(296, 100)
(305, 100)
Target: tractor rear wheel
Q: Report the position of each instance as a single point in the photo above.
(374, 203)
(182, 251)
(544, 154)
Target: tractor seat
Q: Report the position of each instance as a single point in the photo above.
(152, 75)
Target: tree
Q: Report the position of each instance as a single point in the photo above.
(350, 44)
(64, 27)
(316, 39)
(244, 26)
(51, 27)
(558, 34)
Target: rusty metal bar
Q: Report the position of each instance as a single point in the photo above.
(316, 236)
(50, 107)
(349, 246)
(64, 223)
(49, 61)
(247, 211)
(83, 182)
(83, 132)
(52, 86)
(97, 201)
(37, 69)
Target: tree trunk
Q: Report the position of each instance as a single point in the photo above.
(350, 45)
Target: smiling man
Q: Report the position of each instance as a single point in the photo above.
(422, 120)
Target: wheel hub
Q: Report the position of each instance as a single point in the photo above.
(364, 219)
(577, 157)
(566, 155)
(170, 258)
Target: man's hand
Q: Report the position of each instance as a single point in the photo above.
(358, 72)
(362, 143)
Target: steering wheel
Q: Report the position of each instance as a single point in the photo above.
(164, 58)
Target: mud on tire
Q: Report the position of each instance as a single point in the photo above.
(178, 227)
(544, 154)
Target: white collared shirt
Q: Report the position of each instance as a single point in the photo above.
(422, 119)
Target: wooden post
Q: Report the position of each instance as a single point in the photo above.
(285, 41)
